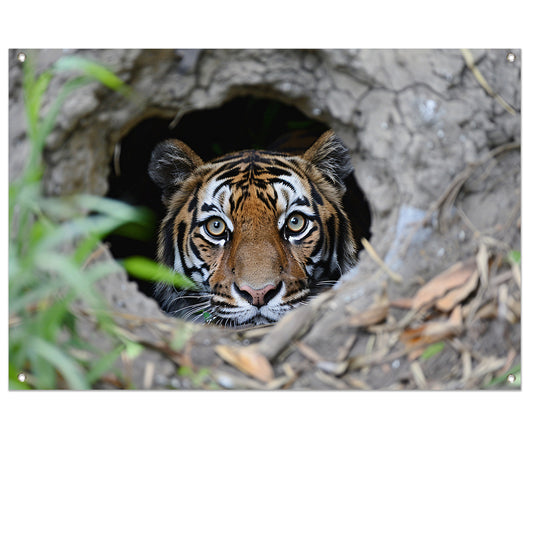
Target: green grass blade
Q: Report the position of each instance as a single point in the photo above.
(48, 122)
(93, 70)
(50, 241)
(73, 278)
(516, 371)
(34, 89)
(432, 350)
(65, 365)
(514, 257)
(103, 364)
(148, 270)
(113, 208)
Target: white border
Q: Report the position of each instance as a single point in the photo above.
(278, 461)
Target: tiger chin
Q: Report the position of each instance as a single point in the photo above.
(259, 232)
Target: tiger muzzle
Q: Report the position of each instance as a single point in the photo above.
(258, 297)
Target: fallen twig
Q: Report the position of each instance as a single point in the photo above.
(470, 63)
(373, 254)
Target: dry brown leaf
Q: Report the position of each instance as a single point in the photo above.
(452, 278)
(488, 310)
(488, 365)
(369, 317)
(433, 331)
(515, 307)
(248, 360)
(415, 353)
(456, 296)
(357, 383)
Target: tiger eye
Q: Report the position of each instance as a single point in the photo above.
(296, 223)
(215, 227)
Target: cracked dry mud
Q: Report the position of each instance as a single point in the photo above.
(438, 157)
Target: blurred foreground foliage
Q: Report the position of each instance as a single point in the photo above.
(52, 241)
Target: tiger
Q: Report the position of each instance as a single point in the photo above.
(258, 231)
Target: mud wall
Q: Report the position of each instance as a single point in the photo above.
(412, 119)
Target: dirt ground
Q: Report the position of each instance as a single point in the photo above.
(435, 303)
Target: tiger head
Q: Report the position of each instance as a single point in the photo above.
(259, 232)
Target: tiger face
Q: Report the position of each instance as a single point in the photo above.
(259, 232)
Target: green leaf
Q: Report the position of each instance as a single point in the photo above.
(51, 317)
(113, 208)
(47, 123)
(185, 371)
(514, 382)
(34, 89)
(103, 364)
(85, 247)
(514, 256)
(24, 298)
(432, 350)
(45, 373)
(74, 279)
(133, 349)
(148, 270)
(96, 226)
(93, 70)
(33, 105)
(60, 360)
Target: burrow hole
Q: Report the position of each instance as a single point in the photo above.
(242, 123)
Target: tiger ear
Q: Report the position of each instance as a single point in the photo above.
(329, 155)
(171, 164)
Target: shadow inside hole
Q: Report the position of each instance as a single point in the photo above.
(242, 123)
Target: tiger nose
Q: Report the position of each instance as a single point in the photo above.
(258, 297)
